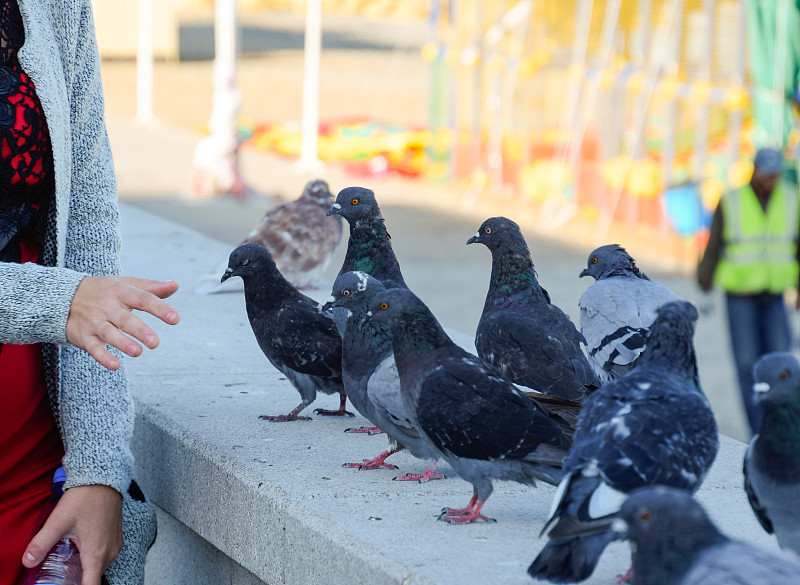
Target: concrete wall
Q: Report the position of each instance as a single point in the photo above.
(245, 501)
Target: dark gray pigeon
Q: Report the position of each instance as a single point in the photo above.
(369, 248)
(772, 463)
(296, 337)
(652, 426)
(485, 427)
(370, 374)
(617, 310)
(521, 332)
(675, 543)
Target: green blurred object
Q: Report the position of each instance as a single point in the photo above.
(774, 32)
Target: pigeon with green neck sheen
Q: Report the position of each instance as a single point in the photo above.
(521, 332)
(485, 427)
(369, 248)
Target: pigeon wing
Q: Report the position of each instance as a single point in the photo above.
(759, 509)
(306, 340)
(646, 428)
(737, 562)
(468, 409)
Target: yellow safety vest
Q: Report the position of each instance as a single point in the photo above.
(760, 252)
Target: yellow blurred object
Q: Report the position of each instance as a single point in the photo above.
(736, 98)
(711, 191)
(645, 180)
(443, 139)
(700, 92)
(668, 87)
(429, 51)
(615, 171)
(540, 180)
(636, 82)
(740, 173)
(710, 169)
(607, 78)
(496, 64)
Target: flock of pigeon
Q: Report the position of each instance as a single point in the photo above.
(613, 413)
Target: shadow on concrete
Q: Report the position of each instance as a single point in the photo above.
(197, 41)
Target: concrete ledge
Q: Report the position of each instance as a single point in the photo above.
(244, 501)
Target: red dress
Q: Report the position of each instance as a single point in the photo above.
(30, 445)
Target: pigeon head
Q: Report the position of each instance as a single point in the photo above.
(354, 203)
(316, 191)
(413, 327)
(497, 232)
(667, 529)
(670, 339)
(395, 305)
(353, 289)
(774, 369)
(611, 260)
(248, 259)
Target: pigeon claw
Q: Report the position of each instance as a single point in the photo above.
(420, 477)
(473, 516)
(283, 417)
(364, 430)
(626, 578)
(340, 412)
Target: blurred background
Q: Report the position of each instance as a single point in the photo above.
(593, 114)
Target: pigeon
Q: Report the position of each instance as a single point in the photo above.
(369, 248)
(296, 337)
(483, 425)
(652, 426)
(299, 237)
(772, 462)
(617, 310)
(675, 543)
(521, 332)
(370, 375)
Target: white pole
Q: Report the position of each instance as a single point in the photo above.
(308, 162)
(144, 64)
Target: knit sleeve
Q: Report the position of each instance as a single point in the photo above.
(96, 409)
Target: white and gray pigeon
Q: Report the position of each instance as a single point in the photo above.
(485, 427)
(296, 337)
(675, 543)
(370, 374)
(300, 238)
(617, 310)
(652, 426)
(772, 462)
(369, 247)
(521, 332)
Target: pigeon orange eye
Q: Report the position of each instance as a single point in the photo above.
(594, 260)
(345, 293)
(384, 306)
(645, 516)
(488, 230)
(355, 201)
(245, 262)
(784, 374)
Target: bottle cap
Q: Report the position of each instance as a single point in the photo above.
(60, 476)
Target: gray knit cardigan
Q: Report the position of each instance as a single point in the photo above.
(93, 407)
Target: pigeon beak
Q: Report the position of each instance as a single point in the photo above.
(760, 390)
(473, 239)
(335, 208)
(227, 275)
(327, 306)
(585, 272)
(619, 527)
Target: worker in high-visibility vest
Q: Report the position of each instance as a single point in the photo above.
(752, 254)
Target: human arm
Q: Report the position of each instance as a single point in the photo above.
(713, 253)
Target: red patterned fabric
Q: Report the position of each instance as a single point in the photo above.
(30, 446)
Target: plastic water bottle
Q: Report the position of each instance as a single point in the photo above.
(62, 565)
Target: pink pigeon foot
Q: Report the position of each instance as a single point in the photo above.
(626, 578)
(420, 477)
(294, 415)
(379, 461)
(472, 513)
(340, 412)
(365, 430)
